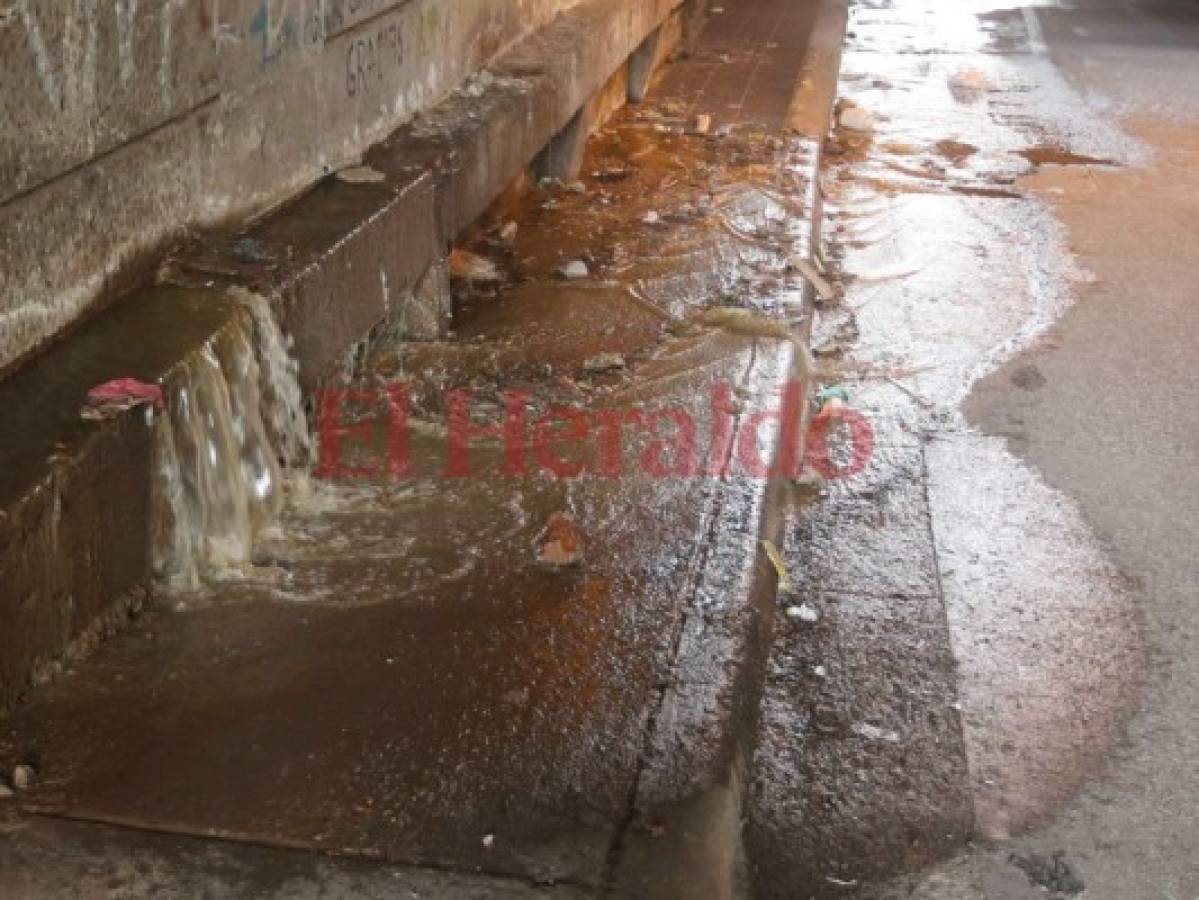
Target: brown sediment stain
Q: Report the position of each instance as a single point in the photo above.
(973, 190)
(958, 151)
(1048, 154)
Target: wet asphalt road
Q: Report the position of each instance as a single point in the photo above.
(1105, 408)
(1015, 230)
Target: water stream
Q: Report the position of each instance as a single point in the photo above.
(234, 434)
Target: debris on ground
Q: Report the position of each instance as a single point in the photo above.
(613, 174)
(574, 270)
(249, 250)
(560, 544)
(780, 567)
(852, 117)
(577, 187)
(361, 175)
(809, 270)
(804, 612)
(740, 320)
(968, 85)
(874, 733)
(701, 124)
(651, 218)
(112, 398)
(23, 777)
(508, 232)
(1053, 874)
(603, 362)
(473, 267)
(810, 483)
(830, 401)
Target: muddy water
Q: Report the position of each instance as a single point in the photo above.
(951, 267)
(668, 222)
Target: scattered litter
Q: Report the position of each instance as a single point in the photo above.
(23, 777)
(574, 270)
(701, 124)
(874, 733)
(810, 483)
(248, 249)
(927, 404)
(651, 218)
(740, 320)
(361, 175)
(473, 267)
(560, 544)
(804, 613)
(603, 362)
(488, 841)
(1053, 874)
(112, 398)
(478, 84)
(967, 85)
(820, 671)
(830, 401)
(838, 882)
(809, 270)
(613, 174)
(508, 232)
(780, 567)
(855, 118)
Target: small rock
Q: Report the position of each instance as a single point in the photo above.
(360, 175)
(603, 362)
(820, 671)
(855, 118)
(488, 841)
(874, 733)
(248, 249)
(574, 270)
(810, 483)
(23, 777)
(508, 232)
(472, 267)
(560, 544)
(475, 89)
(804, 613)
(577, 187)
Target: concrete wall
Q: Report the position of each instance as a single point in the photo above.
(123, 122)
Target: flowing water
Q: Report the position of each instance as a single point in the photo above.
(234, 432)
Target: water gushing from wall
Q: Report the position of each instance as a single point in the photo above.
(234, 431)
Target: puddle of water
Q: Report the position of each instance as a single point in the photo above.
(951, 269)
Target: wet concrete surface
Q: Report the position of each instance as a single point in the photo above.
(396, 677)
(953, 262)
